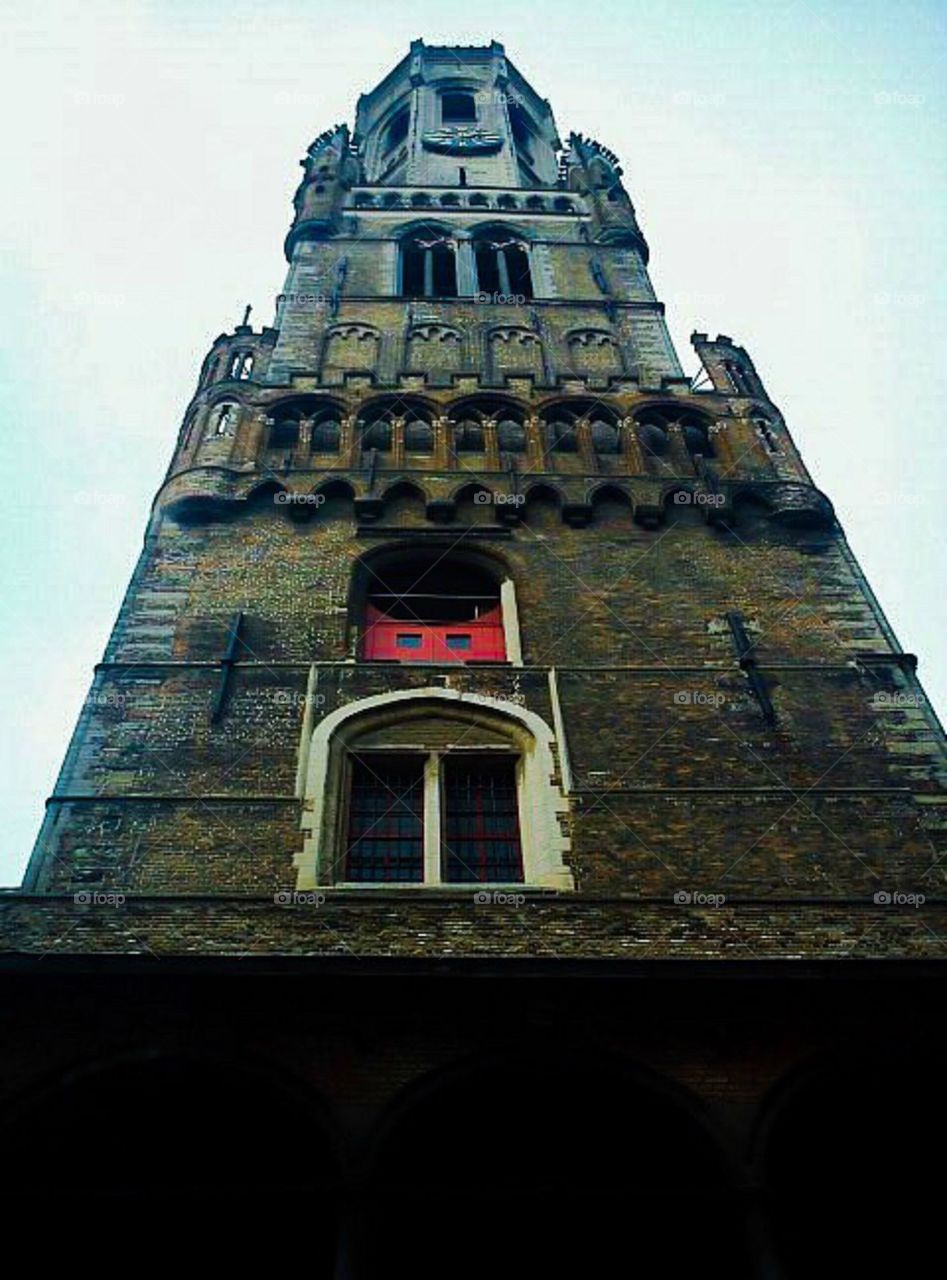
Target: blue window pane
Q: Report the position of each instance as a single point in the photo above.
(458, 642)
(409, 642)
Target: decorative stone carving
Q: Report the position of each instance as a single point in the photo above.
(462, 140)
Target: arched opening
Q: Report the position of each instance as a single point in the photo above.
(561, 436)
(404, 504)
(428, 265)
(543, 507)
(283, 433)
(418, 434)
(326, 432)
(241, 366)
(639, 1172)
(397, 130)
(474, 423)
(384, 418)
(850, 1187)
(654, 424)
(502, 262)
(337, 498)
(458, 108)
(611, 507)
(427, 607)
(182, 1140)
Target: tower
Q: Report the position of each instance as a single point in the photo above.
(472, 642)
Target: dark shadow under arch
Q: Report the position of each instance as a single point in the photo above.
(498, 1146)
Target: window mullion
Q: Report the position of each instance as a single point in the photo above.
(432, 819)
(503, 273)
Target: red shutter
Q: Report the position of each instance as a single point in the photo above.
(400, 640)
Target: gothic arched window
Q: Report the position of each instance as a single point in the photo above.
(427, 787)
(502, 265)
(428, 266)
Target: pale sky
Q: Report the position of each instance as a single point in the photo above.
(787, 162)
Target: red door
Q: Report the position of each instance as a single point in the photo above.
(400, 640)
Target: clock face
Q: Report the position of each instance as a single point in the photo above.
(462, 140)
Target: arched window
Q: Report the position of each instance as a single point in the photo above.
(429, 609)
(428, 266)
(764, 429)
(740, 378)
(604, 434)
(431, 787)
(326, 433)
(418, 434)
(467, 436)
(458, 108)
(224, 419)
(472, 424)
(241, 366)
(375, 430)
(284, 430)
(511, 435)
(560, 432)
(654, 424)
(502, 265)
(397, 130)
(696, 436)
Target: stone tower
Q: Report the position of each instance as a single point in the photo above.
(478, 666)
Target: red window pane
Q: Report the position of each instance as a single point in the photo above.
(386, 819)
(481, 821)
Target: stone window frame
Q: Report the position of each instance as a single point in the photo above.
(509, 609)
(323, 783)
